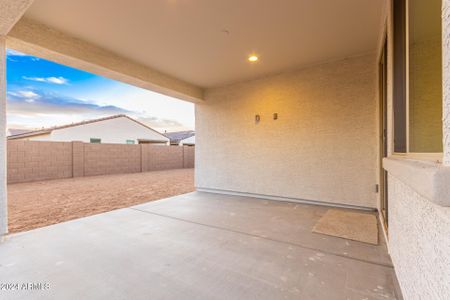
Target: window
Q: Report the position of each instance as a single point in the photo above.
(417, 76)
(399, 74)
(96, 141)
(130, 142)
(425, 76)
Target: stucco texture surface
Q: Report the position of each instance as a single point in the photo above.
(3, 207)
(446, 77)
(11, 11)
(322, 147)
(419, 243)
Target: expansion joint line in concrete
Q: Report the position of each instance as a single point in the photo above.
(263, 237)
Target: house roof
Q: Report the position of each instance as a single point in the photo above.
(16, 131)
(176, 136)
(49, 130)
(188, 141)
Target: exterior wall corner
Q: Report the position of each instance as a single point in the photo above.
(3, 194)
(446, 79)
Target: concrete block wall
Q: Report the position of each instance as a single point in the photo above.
(37, 160)
(103, 159)
(31, 161)
(188, 157)
(162, 157)
(77, 159)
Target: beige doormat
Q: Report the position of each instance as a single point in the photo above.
(355, 226)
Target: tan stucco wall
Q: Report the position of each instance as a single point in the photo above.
(10, 12)
(446, 78)
(419, 243)
(323, 147)
(3, 194)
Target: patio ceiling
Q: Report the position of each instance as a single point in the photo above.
(206, 43)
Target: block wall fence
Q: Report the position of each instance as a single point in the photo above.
(36, 160)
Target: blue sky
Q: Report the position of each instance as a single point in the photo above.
(42, 93)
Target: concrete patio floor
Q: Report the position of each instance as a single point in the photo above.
(196, 246)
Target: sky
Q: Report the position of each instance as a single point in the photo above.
(42, 93)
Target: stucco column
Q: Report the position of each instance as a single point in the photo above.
(3, 200)
(446, 78)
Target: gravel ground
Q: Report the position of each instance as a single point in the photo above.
(36, 204)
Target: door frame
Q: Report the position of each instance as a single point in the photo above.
(383, 142)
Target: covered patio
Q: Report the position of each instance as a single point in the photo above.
(300, 107)
(197, 246)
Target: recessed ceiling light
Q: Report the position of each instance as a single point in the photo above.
(253, 58)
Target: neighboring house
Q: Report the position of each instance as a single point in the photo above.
(117, 129)
(190, 141)
(177, 136)
(14, 131)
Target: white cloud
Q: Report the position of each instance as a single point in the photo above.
(40, 79)
(55, 80)
(24, 94)
(12, 52)
(28, 94)
(148, 104)
(12, 55)
(50, 103)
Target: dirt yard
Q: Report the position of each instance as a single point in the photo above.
(37, 204)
